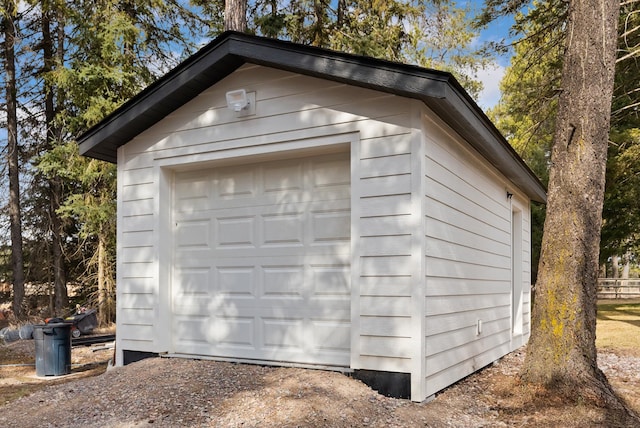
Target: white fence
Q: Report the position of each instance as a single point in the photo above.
(610, 288)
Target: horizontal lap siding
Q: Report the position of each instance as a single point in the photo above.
(137, 273)
(467, 261)
(386, 268)
(289, 108)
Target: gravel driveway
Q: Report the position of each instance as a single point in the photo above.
(176, 392)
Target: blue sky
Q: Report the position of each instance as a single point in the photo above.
(492, 76)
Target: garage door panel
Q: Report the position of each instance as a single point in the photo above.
(283, 333)
(235, 281)
(283, 229)
(223, 332)
(327, 221)
(191, 259)
(267, 200)
(234, 183)
(330, 173)
(276, 183)
(283, 281)
(332, 336)
(237, 231)
(231, 331)
(262, 261)
(192, 192)
(321, 251)
(301, 333)
(286, 178)
(194, 281)
(331, 281)
(194, 233)
(294, 336)
(329, 226)
(267, 209)
(263, 307)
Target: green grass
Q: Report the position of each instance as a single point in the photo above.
(618, 325)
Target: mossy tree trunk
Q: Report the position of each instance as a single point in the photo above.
(562, 348)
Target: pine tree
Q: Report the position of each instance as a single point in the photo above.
(562, 349)
(9, 25)
(429, 34)
(116, 48)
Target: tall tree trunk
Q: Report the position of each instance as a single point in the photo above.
(562, 348)
(615, 266)
(235, 15)
(106, 286)
(59, 273)
(55, 188)
(17, 258)
(340, 14)
(319, 33)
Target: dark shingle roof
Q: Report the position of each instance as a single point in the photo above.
(438, 90)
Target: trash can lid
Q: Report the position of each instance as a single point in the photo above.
(53, 325)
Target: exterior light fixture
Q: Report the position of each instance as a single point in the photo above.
(237, 100)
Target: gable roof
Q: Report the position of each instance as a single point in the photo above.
(440, 91)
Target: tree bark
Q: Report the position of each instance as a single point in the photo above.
(340, 14)
(562, 350)
(55, 187)
(59, 271)
(106, 288)
(235, 15)
(17, 258)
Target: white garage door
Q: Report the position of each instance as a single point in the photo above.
(261, 261)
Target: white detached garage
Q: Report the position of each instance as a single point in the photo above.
(357, 214)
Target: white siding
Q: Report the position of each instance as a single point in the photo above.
(468, 260)
(430, 221)
(136, 274)
(385, 337)
(294, 114)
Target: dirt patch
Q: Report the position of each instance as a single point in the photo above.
(17, 368)
(181, 392)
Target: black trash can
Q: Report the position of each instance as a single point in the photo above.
(53, 349)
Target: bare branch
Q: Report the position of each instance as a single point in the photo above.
(627, 107)
(631, 54)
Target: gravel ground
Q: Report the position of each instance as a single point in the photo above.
(175, 392)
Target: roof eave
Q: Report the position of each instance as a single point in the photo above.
(462, 114)
(438, 90)
(228, 52)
